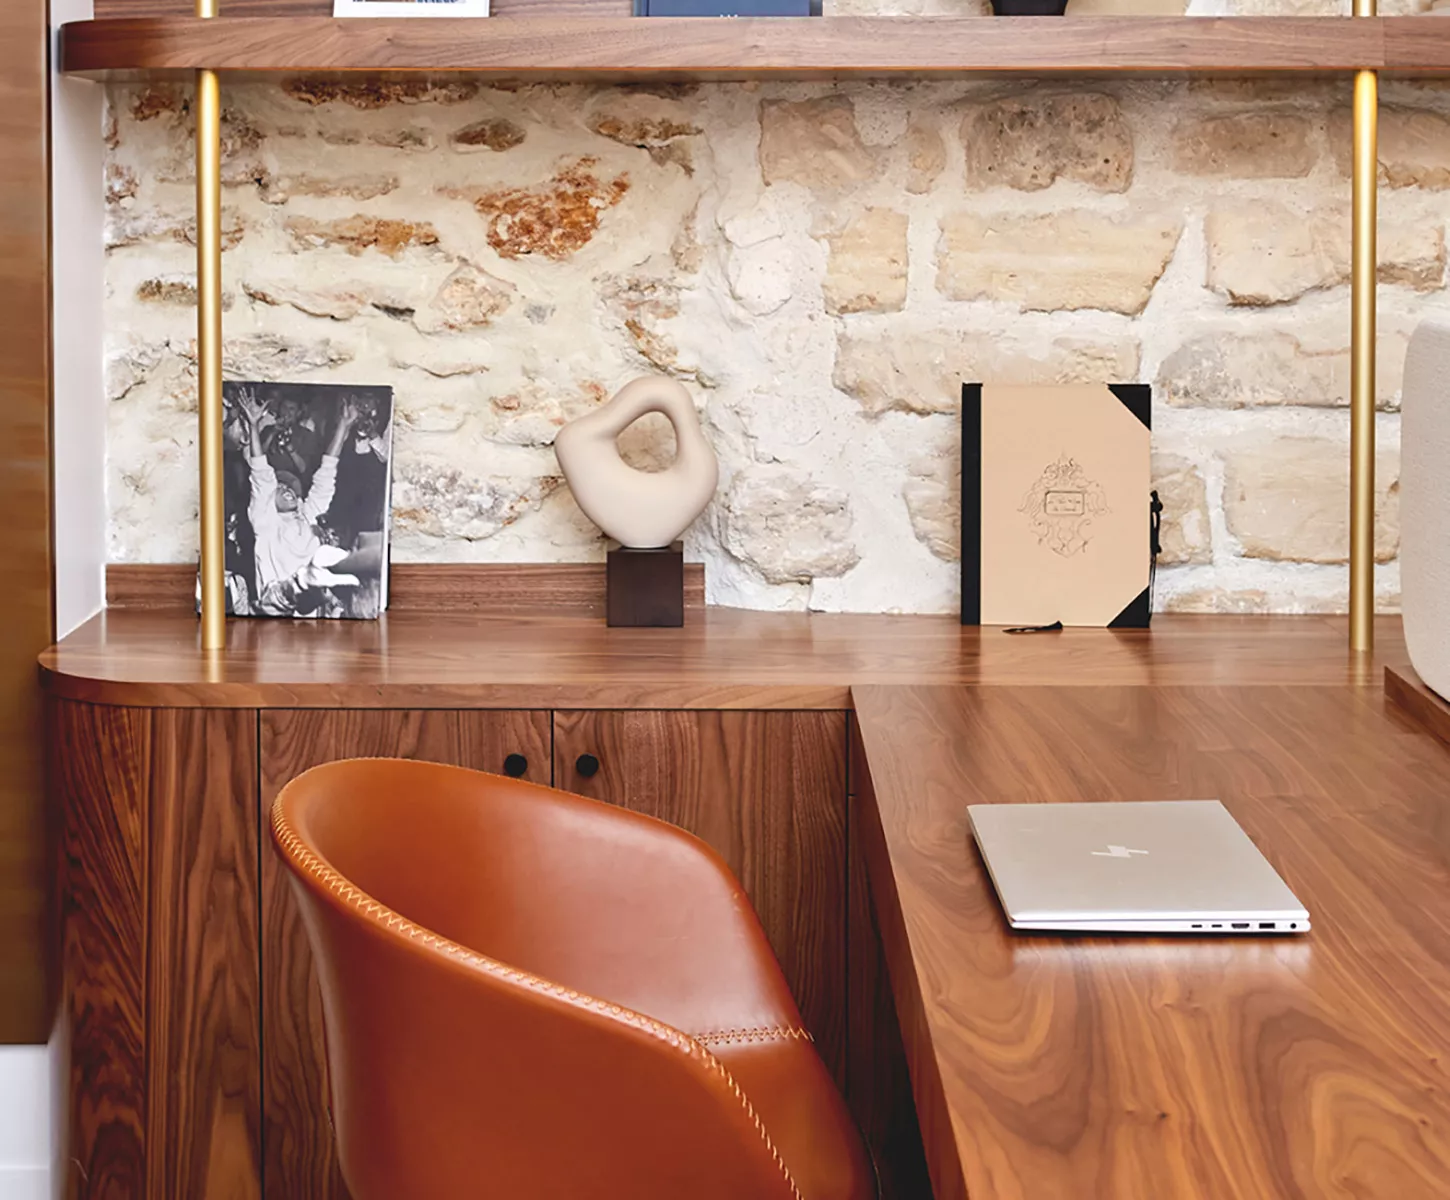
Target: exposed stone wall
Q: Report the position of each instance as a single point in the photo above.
(822, 266)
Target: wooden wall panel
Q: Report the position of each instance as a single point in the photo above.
(99, 763)
(768, 792)
(299, 1159)
(878, 1080)
(25, 600)
(204, 1049)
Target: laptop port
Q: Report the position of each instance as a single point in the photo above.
(1266, 924)
(1198, 926)
(1240, 924)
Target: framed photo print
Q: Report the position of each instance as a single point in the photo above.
(410, 8)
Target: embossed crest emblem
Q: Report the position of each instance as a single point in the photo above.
(1061, 505)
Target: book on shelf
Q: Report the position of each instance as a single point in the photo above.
(307, 474)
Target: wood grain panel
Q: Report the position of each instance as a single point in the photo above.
(746, 47)
(25, 601)
(878, 1081)
(767, 791)
(499, 589)
(1135, 1068)
(99, 766)
(298, 1152)
(205, 1102)
(727, 658)
(106, 9)
(1405, 688)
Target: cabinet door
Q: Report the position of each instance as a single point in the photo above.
(300, 1160)
(765, 789)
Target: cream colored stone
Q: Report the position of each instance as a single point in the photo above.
(926, 153)
(1231, 370)
(923, 371)
(360, 233)
(1266, 253)
(867, 266)
(280, 189)
(1028, 142)
(1256, 144)
(815, 143)
(435, 499)
(340, 302)
(1070, 259)
(1186, 529)
(1287, 499)
(468, 299)
(1414, 146)
(788, 526)
(1242, 601)
(132, 227)
(933, 497)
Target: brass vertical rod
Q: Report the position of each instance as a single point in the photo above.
(209, 350)
(1362, 358)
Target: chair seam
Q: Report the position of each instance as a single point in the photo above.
(759, 1033)
(303, 856)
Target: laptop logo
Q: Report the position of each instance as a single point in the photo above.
(1117, 852)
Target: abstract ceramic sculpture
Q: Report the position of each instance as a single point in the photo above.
(640, 509)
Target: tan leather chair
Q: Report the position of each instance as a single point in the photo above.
(528, 994)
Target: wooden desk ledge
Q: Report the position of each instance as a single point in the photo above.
(722, 658)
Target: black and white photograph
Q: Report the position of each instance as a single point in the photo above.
(308, 499)
(410, 8)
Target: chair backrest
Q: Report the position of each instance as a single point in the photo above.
(1425, 504)
(455, 1071)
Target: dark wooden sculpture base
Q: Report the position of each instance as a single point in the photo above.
(647, 587)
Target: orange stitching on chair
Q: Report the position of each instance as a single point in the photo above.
(761, 1033)
(301, 854)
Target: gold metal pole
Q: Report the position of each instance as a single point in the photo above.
(1362, 356)
(209, 350)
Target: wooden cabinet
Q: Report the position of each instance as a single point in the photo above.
(300, 1162)
(768, 791)
(196, 1056)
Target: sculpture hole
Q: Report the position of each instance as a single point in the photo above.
(648, 444)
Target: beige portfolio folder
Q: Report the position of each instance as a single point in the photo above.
(1056, 497)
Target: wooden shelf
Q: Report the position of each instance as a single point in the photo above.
(623, 48)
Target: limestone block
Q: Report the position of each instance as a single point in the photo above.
(926, 153)
(788, 526)
(1287, 499)
(1414, 146)
(1186, 530)
(923, 371)
(339, 302)
(933, 497)
(1028, 142)
(1069, 259)
(280, 189)
(814, 143)
(1258, 144)
(867, 266)
(379, 91)
(1232, 370)
(1266, 253)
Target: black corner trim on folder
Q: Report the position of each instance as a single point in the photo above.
(971, 504)
(1136, 615)
(1137, 398)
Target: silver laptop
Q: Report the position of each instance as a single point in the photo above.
(1158, 866)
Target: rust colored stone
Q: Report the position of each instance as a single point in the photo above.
(496, 133)
(378, 93)
(160, 100)
(554, 220)
(360, 233)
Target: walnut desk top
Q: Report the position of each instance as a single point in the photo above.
(1170, 1068)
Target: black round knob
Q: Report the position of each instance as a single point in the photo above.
(586, 765)
(515, 765)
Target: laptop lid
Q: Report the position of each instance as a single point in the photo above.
(1147, 866)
